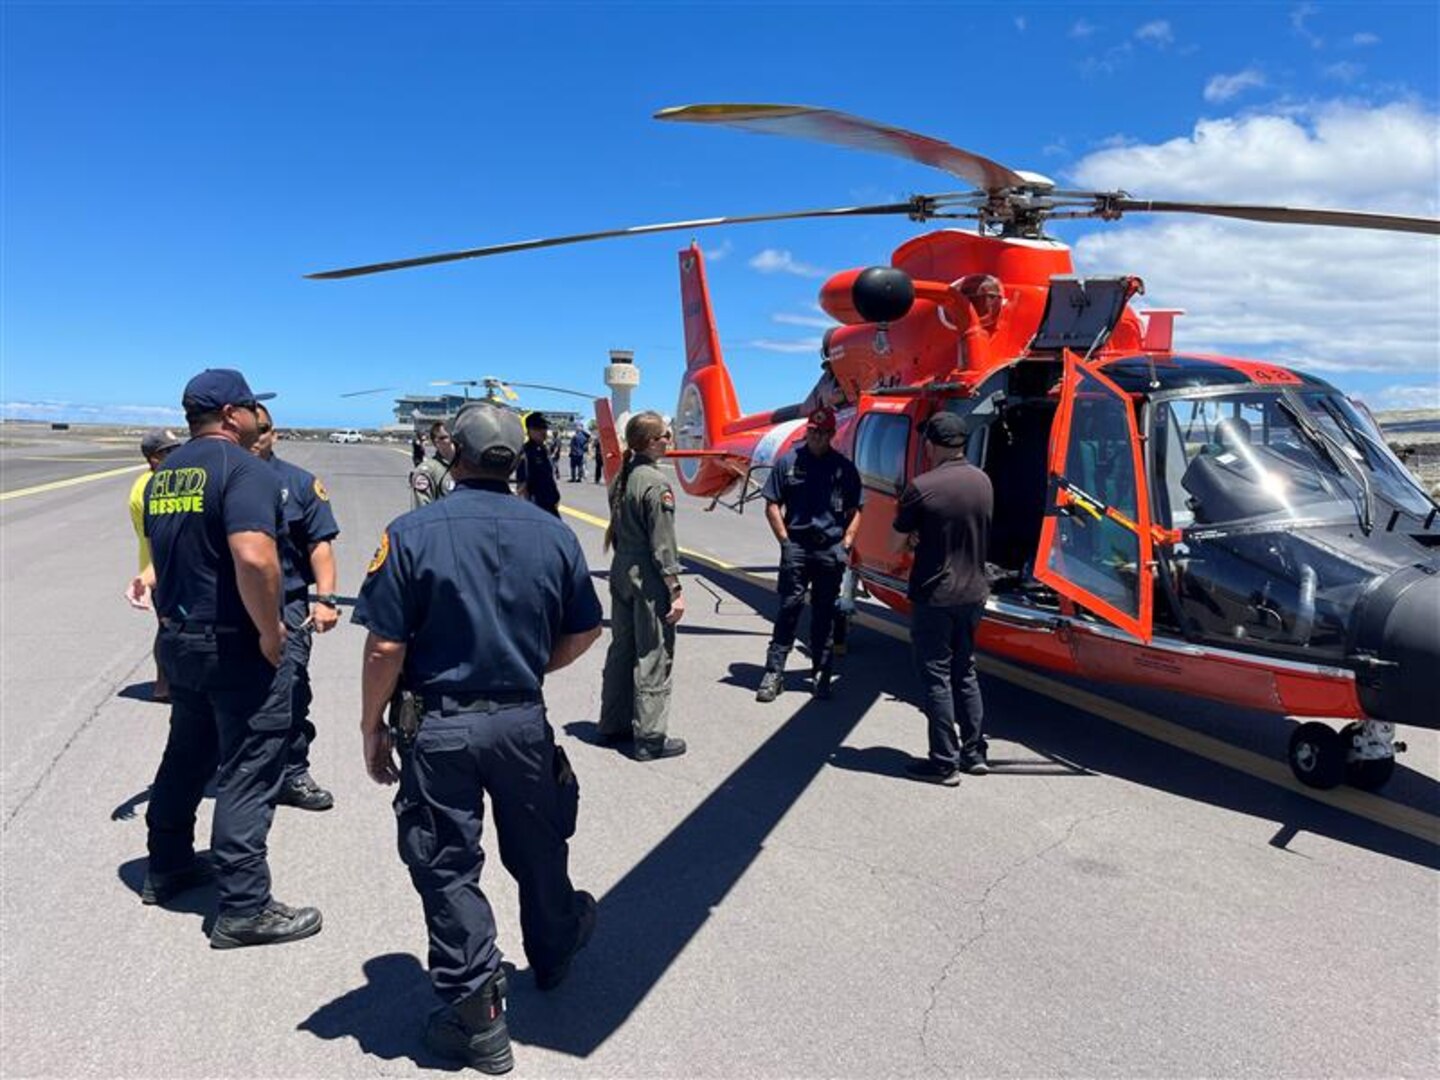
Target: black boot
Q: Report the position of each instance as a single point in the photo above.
(161, 888)
(550, 978)
(474, 1031)
(655, 749)
(275, 925)
(302, 791)
(820, 683)
(771, 686)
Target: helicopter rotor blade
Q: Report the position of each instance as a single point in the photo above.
(854, 132)
(1288, 215)
(557, 390)
(914, 206)
(455, 382)
(375, 390)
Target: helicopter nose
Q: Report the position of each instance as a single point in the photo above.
(1399, 625)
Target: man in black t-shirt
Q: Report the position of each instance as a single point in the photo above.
(944, 516)
(212, 515)
(535, 475)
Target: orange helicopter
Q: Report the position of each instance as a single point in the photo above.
(1203, 524)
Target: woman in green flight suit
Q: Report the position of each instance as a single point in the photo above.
(645, 597)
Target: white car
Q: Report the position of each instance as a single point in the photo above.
(348, 435)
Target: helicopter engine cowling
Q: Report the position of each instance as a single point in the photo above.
(1398, 625)
(875, 294)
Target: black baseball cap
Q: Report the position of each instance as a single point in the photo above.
(488, 436)
(536, 420)
(214, 388)
(946, 429)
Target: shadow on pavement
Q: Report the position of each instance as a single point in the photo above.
(386, 1016)
(126, 810)
(141, 691)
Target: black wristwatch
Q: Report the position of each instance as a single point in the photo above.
(329, 599)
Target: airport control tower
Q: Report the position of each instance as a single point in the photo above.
(622, 377)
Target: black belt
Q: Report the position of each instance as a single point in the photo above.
(479, 701)
(180, 626)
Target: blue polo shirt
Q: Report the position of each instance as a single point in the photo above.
(308, 520)
(816, 492)
(478, 586)
(206, 490)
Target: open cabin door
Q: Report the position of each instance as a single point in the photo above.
(1095, 541)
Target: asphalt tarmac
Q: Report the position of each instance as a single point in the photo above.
(1138, 889)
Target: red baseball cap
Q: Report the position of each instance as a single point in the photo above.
(822, 419)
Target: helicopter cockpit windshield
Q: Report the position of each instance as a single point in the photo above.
(1263, 457)
(1272, 494)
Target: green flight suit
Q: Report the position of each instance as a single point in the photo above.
(429, 481)
(635, 691)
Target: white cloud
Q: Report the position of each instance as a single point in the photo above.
(1409, 396)
(773, 261)
(1108, 62)
(1363, 39)
(716, 254)
(1336, 300)
(1157, 33)
(1344, 71)
(804, 345)
(784, 317)
(82, 413)
(1225, 87)
(1082, 29)
(1299, 15)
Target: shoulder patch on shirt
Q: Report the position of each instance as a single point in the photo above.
(667, 500)
(320, 492)
(381, 554)
(420, 481)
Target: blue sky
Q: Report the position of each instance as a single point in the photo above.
(171, 170)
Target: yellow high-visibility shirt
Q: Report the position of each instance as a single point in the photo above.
(137, 514)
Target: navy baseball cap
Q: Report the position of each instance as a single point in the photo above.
(215, 388)
(488, 435)
(946, 429)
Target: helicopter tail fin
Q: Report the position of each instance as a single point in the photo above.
(707, 396)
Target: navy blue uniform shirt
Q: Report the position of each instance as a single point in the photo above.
(206, 490)
(537, 473)
(478, 586)
(579, 443)
(308, 520)
(818, 494)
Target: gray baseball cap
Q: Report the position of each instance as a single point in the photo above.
(488, 436)
(158, 440)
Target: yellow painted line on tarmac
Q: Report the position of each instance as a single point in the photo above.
(1382, 811)
(112, 459)
(55, 485)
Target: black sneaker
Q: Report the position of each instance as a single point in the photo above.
(275, 925)
(771, 686)
(550, 978)
(303, 792)
(930, 773)
(474, 1031)
(614, 738)
(161, 888)
(820, 687)
(655, 749)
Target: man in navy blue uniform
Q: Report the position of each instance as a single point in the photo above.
(535, 475)
(212, 514)
(307, 557)
(812, 502)
(470, 601)
(579, 443)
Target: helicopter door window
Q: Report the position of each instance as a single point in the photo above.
(880, 451)
(1095, 543)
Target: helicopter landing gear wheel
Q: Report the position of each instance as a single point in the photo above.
(1369, 753)
(1317, 755)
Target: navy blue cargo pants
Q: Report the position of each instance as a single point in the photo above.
(297, 652)
(943, 640)
(467, 749)
(229, 708)
(819, 569)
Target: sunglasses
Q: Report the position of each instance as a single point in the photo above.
(265, 429)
